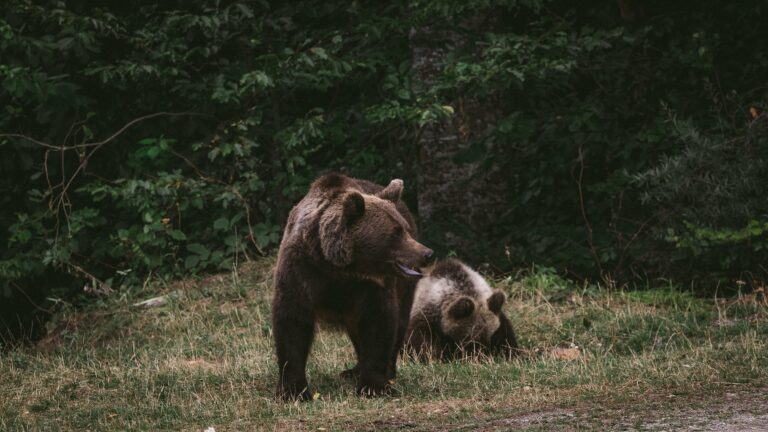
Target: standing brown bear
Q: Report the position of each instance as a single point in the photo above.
(348, 257)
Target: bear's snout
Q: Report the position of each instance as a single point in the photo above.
(412, 256)
(426, 255)
(420, 254)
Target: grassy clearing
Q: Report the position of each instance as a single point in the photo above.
(205, 358)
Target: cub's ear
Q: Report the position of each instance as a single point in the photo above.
(392, 192)
(496, 301)
(335, 238)
(461, 308)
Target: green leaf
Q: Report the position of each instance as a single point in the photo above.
(217, 256)
(199, 249)
(177, 235)
(191, 261)
(153, 152)
(221, 224)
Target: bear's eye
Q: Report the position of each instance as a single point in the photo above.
(398, 231)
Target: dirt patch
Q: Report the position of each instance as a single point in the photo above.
(744, 411)
(734, 411)
(737, 411)
(535, 419)
(741, 423)
(393, 424)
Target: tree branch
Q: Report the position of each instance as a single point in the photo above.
(587, 225)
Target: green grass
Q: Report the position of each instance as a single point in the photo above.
(205, 358)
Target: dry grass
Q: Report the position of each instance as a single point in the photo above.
(205, 358)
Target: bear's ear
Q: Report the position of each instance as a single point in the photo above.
(461, 308)
(496, 301)
(392, 192)
(335, 238)
(354, 207)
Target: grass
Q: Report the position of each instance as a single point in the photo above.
(205, 358)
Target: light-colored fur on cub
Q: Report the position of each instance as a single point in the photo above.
(455, 312)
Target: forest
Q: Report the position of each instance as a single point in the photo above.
(610, 142)
(617, 144)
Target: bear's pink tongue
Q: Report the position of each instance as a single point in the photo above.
(407, 270)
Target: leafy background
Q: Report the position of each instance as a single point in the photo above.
(171, 138)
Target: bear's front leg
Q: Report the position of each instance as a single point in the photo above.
(424, 340)
(405, 290)
(503, 341)
(374, 335)
(293, 337)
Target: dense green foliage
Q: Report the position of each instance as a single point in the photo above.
(266, 97)
(632, 147)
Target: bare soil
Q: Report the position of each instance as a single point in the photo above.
(734, 411)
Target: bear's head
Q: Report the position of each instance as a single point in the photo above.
(470, 321)
(366, 235)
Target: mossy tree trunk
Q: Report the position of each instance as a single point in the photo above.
(460, 192)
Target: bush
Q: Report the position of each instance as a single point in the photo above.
(631, 149)
(173, 138)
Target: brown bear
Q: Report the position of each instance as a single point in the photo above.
(348, 257)
(456, 313)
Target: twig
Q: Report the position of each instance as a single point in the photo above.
(232, 189)
(102, 289)
(35, 305)
(100, 143)
(71, 130)
(61, 201)
(62, 196)
(587, 225)
(97, 145)
(247, 220)
(631, 240)
(30, 139)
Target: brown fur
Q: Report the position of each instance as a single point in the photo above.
(338, 262)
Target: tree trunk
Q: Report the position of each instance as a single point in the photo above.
(459, 201)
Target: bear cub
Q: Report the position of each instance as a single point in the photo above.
(456, 313)
(348, 257)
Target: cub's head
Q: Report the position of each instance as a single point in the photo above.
(470, 320)
(367, 235)
(467, 306)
